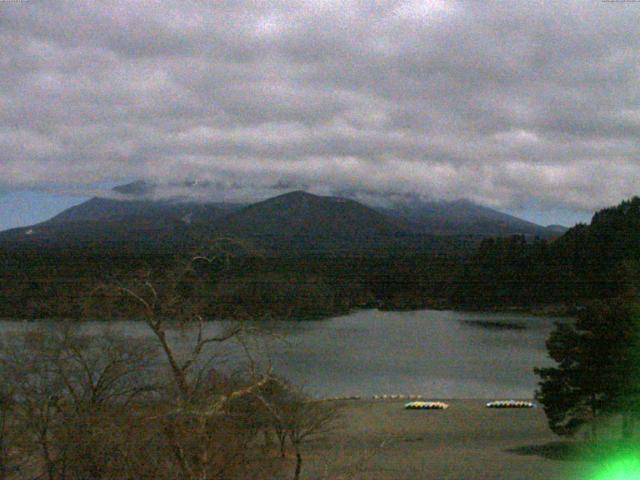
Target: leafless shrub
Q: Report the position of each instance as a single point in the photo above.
(66, 390)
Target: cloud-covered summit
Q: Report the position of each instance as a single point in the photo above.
(501, 102)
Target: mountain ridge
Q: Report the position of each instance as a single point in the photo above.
(294, 222)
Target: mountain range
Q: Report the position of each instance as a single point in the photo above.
(296, 223)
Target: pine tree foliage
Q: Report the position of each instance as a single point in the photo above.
(597, 368)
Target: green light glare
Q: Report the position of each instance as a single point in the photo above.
(621, 468)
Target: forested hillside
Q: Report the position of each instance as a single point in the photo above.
(599, 260)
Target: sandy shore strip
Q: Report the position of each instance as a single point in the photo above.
(379, 439)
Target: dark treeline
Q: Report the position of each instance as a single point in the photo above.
(596, 261)
(57, 285)
(587, 262)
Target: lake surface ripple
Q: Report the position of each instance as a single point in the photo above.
(438, 354)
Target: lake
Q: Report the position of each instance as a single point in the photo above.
(438, 354)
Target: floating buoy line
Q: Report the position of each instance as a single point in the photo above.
(510, 404)
(419, 402)
(377, 397)
(419, 405)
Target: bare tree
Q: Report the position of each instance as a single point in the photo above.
(294, 416)
(103, 375)
(28, 366)
(204, 440)
(307, 419)
(68, 388)
(7, 406)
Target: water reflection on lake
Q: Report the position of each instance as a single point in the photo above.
(440, 354)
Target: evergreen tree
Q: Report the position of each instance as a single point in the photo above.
(597, 368)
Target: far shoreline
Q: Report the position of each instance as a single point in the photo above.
(550, 310)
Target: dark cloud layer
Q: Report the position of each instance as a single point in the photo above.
(497, 101)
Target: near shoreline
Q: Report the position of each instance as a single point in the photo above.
(380, 440)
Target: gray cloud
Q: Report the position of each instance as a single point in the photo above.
(501, 102)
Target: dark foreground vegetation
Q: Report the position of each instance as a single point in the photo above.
(597, 372)
(103, 406)
(588, 262)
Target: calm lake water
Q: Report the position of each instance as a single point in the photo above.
(440, 354)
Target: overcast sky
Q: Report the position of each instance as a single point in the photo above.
(526, 106)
